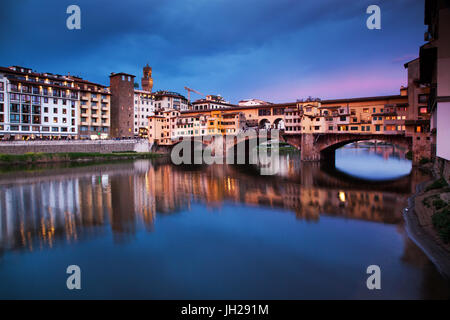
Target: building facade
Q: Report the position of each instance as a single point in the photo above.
(212, 102)
(94, 109)
(144, 107)
(435, 72)
(37, 105)
(167, 100)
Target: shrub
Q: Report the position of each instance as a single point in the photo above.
(439, 204)
(441, 221)
(437, 184)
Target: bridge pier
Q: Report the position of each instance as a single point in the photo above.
(309, 149)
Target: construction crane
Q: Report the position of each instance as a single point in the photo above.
(189, 93)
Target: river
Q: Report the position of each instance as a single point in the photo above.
(149, 229)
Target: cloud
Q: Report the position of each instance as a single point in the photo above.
(236, 48)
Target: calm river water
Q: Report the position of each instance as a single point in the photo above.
(149, 229)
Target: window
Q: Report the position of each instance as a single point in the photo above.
(55, 120)
(45, 100)
(55, 129)
(14, 97)
(423, 110)
(14, 87)
(14, 108)
(423, 98)
(14, 118)
(55, 101)
(37, 119)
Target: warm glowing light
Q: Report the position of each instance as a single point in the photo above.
(342, 196)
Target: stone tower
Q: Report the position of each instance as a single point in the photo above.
(147, 80)
(122, 105)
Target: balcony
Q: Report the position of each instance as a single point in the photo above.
(84, 97)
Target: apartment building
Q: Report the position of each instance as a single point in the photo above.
(37, 105)
(3, 103)
(94, 110)
(144, 107)
(167, 100)
(212, 102)
(191, 126)
(162, 125)
(167, 126)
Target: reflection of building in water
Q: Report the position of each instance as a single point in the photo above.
(35, 215)
(75, 203)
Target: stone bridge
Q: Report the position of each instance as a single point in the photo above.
(322, 146)
(313, 146)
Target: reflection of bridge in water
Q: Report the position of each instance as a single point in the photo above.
(73, 204)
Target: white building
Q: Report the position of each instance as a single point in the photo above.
(165, 100)
(212, 102)
(37, 105)
(144, 106)
(252, 102)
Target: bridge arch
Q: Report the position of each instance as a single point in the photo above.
(278, 124)
(328, 146)
(264, 123)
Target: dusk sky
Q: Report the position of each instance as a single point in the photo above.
(275, 50)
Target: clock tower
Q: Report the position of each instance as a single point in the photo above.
(147, 80)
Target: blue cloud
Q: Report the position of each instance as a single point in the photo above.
(277, 50)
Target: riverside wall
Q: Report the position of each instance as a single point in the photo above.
(58, 146)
